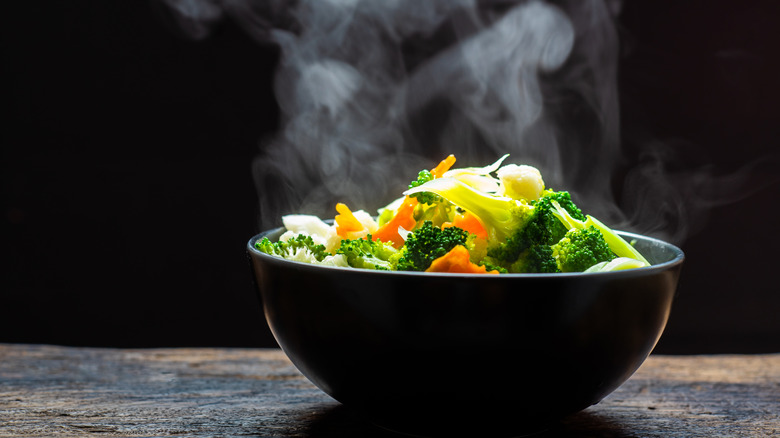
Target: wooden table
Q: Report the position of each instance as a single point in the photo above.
(61, 391)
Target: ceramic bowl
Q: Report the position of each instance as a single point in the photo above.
(440, 353)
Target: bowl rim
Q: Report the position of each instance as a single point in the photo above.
(679, 257)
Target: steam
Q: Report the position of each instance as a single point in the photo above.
(666, 198)
(372, 91)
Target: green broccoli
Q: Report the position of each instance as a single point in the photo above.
(617, 244)
(563, 198)
(424, 197)
(427, 243)
(301, 248)
(580, 249)
(367, 253)
(542, 227)
(535, 259)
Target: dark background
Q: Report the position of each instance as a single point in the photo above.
(128, 199)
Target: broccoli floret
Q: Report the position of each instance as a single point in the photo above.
(300, 248)
(563, 198)
(544, 227)
(367, 253)
(580, 249)
(428, 243)
(536, 259)
(541, 228)
(424, 197)
(617, 244)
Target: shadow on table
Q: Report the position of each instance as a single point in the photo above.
(586, 424)
(340, 421)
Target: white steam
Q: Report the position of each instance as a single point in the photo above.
(372, 91)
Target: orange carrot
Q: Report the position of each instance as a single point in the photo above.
(443, 166)
(457, 260)
(346, 221)
(468, 222)
(404, 217)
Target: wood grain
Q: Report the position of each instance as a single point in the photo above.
(61, 392)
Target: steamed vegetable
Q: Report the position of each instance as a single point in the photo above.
(616, 243)
(301, 248)
(541, 228)
(367, 253)
(428, 243)
(458, 260)
(580, 249)
(535, 259)
(493, 219)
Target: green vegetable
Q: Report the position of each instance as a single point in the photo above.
(367, 253)
(427, 243)
(617, 244)
(424, 197)
(501, 216)
(536, 259)
(541, 227)
(438, 211)
(491, 267)
(522, 234)
(300, 248)
(580, 249)
(509, 224)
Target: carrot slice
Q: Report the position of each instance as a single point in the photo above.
(443, 166)
(346, 221)
(457, 260)
(470, 223)
(404, 217)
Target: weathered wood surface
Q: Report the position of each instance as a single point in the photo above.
(60, 391)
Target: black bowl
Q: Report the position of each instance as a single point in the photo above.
(434, 352)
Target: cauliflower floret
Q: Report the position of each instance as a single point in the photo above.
(331, 260)
(521, 182)
(320, 232)
(307, 224)
(368, 222)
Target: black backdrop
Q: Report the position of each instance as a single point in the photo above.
(127, 194)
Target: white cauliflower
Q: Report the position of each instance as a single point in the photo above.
(520, 182)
